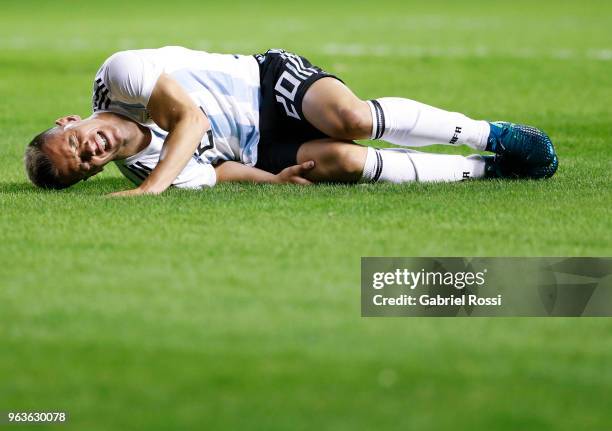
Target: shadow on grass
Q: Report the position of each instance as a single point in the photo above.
(87, 187)
(105, 185)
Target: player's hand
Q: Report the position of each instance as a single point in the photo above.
(295, 174)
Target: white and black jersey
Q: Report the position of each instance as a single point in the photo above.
(253, 103)
(225, 87)
(197, 174)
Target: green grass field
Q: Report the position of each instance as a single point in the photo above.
(239, 307)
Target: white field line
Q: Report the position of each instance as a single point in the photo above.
(415, 51)
(340, 49)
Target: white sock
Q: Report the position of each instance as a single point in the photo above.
(397, 165)
(388, 165)
(413, 124)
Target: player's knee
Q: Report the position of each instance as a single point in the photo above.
(354, 121)
(344, 159)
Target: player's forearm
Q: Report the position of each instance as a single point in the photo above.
(237, 172)
(179, 147)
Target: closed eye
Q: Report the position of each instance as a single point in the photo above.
(72, 143)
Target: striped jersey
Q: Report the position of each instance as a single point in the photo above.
(225, 87)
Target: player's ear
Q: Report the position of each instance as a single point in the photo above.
(67, 119)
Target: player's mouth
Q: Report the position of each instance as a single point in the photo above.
(102, 142)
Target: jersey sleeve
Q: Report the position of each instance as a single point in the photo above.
(196, 177)
(131, 77)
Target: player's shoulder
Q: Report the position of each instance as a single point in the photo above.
(125, 57)
(121, 62)
(120, 58)
(130, 76)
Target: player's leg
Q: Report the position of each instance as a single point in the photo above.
(345, 161)
(335, 160)
(300, 102)
(332, 107)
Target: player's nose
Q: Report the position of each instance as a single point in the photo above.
(88, 149)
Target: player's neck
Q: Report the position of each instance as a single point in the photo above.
(137, 139)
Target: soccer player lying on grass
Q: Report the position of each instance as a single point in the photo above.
(174, 116)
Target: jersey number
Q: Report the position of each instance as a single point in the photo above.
(286, 97)
(205, 147)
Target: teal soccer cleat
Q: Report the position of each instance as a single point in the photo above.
(501, 167)
(521, 144)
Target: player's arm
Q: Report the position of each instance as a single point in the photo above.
(237, 172)
(173, 110)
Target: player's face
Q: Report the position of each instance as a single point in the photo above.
(79, 148)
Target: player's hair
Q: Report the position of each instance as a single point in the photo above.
(39, 167)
